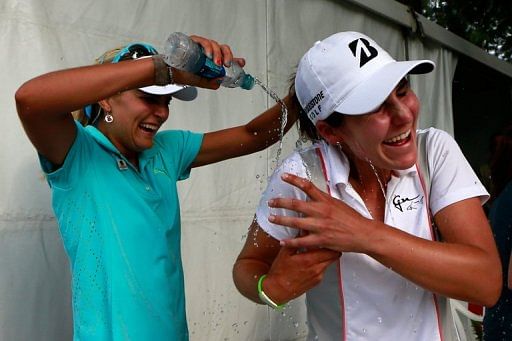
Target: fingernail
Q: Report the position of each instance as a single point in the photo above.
(228, 64)
(271, 218)
(282, 243)
(285, 176)
(218, 61)
(271, 202)
(209, 55)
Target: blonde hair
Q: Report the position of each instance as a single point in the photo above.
(96, 109)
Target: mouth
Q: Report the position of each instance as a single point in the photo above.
(399, 140)
(149, 127)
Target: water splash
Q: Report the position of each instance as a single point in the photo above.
(378, 178)
(284, 115)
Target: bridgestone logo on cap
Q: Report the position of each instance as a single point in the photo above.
(318, 97)
(365, 52)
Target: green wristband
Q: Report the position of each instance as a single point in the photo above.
(264, 298)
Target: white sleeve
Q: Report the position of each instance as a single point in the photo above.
(277, 188)
(452, 178)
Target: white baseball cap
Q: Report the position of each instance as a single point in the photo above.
(350, 74)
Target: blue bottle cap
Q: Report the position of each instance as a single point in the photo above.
(247, 82)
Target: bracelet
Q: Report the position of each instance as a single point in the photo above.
(163, 72)
(264, 298)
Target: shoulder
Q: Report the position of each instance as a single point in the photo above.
(297, 162)
(434, 136)
(166, 135)
(452, 178)
(438, 143)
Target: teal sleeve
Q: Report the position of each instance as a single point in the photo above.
(180, 149)
(64, 176)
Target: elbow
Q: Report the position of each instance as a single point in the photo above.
(23, 99)
(491, 299)
(496, 289)
(493, 289)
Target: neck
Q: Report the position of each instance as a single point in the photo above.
(370, 183)
(365, 174)
(131, 156)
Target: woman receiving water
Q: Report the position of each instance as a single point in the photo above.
(361, 242)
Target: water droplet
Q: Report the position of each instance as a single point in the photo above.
(284, 115)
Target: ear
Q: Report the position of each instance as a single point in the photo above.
(327, 132)
(105, 105)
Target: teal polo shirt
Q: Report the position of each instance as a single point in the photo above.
(121, 230)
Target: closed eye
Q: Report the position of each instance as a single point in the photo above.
(402, 88)
(156, 99)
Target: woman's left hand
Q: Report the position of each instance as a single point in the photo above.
(330, 223)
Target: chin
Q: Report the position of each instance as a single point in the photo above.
(145, 145)
(407, 163)
(405, 166)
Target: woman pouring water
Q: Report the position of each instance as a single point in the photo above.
(113, 177)
(360, 242)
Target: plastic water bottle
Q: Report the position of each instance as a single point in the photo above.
(185, 54)
(236, 77)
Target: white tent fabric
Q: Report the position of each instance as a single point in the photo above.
(218, 201)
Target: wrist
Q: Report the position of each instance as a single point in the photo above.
(162, 72)
(375, 242)
(264, 296)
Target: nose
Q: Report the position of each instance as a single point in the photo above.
(399, 112)
(162, 112)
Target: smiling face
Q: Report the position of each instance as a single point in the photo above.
(137, 118)
(386, 137)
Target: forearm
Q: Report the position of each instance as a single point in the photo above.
(455, 270)
(266, 128)
(258, 134)
(246, 274)
(60, 92)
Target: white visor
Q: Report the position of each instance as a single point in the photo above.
(181, 92)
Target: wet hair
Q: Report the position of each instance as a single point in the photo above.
(501, 163)
(307, 130)
(96, 111)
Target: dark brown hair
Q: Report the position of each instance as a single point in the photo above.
(307, 130)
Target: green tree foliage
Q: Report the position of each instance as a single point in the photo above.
(485, 23)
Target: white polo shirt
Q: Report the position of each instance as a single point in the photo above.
(359, 298)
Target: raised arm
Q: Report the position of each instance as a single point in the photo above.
(44, 103)
(258, 134)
